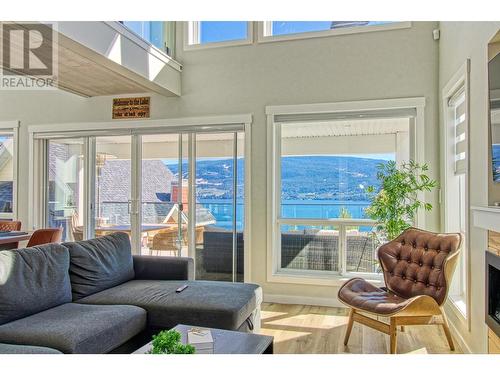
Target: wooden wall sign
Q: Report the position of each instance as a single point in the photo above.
(129, 108)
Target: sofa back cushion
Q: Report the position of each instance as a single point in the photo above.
(32, 280)
(99, 264)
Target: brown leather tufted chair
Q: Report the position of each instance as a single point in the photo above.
(417, 268)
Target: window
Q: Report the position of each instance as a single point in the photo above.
(8, 169)
(200, 34)
(322, 170)
(6, 175)
(455, 179)
(457, 107)
(283, 30)
(160, 34)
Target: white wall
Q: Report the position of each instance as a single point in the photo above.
(459, 41)
(244, 79)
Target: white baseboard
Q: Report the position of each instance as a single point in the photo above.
(458, 324)
(302, 300)
(457, 336)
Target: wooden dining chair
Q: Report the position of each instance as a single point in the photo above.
(9, 225)
(44, 236)
(165, 240)
(75, 229)
(417, 268)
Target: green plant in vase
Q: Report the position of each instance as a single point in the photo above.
(169, 342)
(396, 204)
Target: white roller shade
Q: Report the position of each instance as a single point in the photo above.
(458, 104)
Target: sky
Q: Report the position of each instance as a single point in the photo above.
(216, 31)
(219, 31)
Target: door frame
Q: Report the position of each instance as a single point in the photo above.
(11, 128)
(38, 154)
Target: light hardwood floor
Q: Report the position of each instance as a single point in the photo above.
(304, 329)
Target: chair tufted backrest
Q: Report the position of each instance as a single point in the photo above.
(418, 262)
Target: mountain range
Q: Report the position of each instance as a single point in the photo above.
(302, 177)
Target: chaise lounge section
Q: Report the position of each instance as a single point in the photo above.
(95, 297)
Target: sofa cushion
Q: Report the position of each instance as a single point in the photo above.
(212, 304)
(26, 349)
(99, 264)
(77, 328)
(32, 280)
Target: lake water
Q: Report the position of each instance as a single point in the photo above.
(221, 209)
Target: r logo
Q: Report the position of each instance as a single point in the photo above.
(27, 49)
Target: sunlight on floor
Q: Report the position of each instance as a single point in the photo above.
(418, 351)
(303, 329)
(317, 321)
(271, 314)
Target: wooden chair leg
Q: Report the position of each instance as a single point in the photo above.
(393, 333)
(447, 331)
(402, 328)
(349, 326)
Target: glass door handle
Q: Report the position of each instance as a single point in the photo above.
(129, 207)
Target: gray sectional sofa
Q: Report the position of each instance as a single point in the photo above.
(94, 296)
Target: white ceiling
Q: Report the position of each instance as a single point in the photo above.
(342, 128)
(84, 72)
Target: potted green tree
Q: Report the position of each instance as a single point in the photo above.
(396, 204)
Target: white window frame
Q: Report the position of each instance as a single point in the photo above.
(264, 27)
(274, 273)
(38, 152)
(12, 128)
(459, 80)
(144, 44)
(191, 36)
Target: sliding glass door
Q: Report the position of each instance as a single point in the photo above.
(219, 209)
(192, 200)
(164, 195)
(176, 194)
(113, 185)
(65, 187)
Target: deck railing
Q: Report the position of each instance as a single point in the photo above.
(336, 245)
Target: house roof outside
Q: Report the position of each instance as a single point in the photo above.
(203, 216)
(5, 186)
(116, 176)
(115, 183)
(5, 151)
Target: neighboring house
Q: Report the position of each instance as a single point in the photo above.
(112, 188)
(203, 216)
(158, 203)
(114, 192)
(6, 168)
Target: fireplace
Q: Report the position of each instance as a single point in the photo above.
(493, 292)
